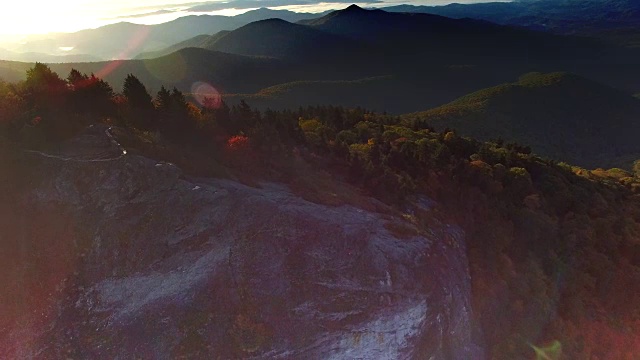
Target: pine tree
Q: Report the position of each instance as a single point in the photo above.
(136, 93)
(45, 90)
(76, 79)
(163, 100)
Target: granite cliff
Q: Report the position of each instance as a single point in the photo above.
(137, 259)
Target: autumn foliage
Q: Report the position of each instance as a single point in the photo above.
(238, 143)
(553, 250)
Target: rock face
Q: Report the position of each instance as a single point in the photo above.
(161, 266)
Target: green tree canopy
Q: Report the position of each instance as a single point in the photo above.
(41, 78)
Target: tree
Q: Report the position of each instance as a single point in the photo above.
(12, 109)
(136, 93)
(178, 101)
(44, 89)
(47, 97)
(241, 118)
(139, 109)
(102, 94)
(214, 124)
(90, 94)
(163, 100)
(636, 168)
(41, 77)
(76, 79)
(176, 121)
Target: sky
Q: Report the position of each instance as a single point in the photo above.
(43, 16)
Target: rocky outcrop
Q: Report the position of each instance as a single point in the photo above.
(164, 266)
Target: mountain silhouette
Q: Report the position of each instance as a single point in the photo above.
(126, 40)
(434, 37)
(279, 38)
(613, 20)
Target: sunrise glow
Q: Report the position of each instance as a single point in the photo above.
(42, 16)
(37, 17)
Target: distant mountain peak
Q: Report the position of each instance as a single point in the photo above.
(264, 10)
(353, 8)
(268, 21)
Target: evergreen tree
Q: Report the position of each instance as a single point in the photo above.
(42, 78)
(178, 100)
(136, 93)
(47, 95)
(76, 80)
(45, 90)
(175, 120)
(139, 110)
(90, 94)
(241, 118)
(163, 100)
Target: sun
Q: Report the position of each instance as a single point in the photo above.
(39, 17)
(45, 16)
(23, 17)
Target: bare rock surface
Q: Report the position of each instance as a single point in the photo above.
(163, 266)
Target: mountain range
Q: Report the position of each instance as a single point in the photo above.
(127, 40)
(432, 38)
(613, 20)
(418, 60)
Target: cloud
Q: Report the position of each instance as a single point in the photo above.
(252, 4)
(152, 13)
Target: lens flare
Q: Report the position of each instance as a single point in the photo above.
(108, 68)
(206, 95)
(132, 47)
(135, 42)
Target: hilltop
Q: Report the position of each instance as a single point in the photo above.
(281, 39)
(126, 214)
(562, 116)
(433, 38)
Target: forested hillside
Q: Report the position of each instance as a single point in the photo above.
(554, 250)
(559, 115)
